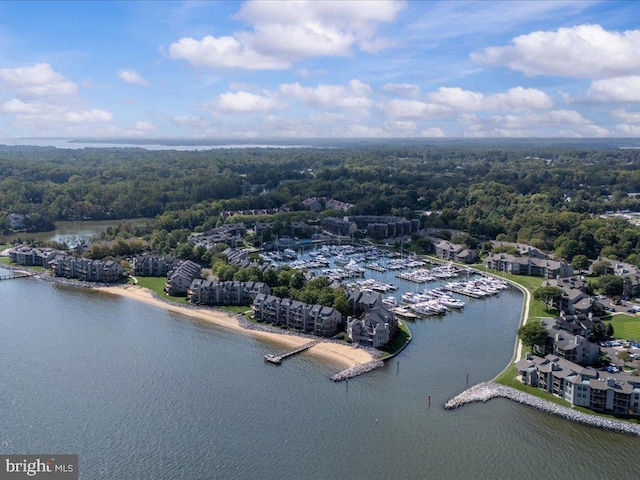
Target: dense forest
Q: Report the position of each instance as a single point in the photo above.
(547, 196)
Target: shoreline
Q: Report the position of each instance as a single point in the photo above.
(348, 358)
(343, 355)
(483, 392)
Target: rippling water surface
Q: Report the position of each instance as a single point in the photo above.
(141, 393)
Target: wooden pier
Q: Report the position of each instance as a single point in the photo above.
(277, 359)
(16, 275)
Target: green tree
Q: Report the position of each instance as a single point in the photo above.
(580, 262)
(610, 331)
(341, 302)
(611, 285)
(625, 356)
(533, 334)
(297, 280)
(548, 295)
(601, 267)
(270, 277)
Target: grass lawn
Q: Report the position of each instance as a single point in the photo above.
(5, 260)
(508, 378)
(625, 327)
(398, 342)
(236, 308)
(156, 284)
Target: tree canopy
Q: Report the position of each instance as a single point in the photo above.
(533, 334)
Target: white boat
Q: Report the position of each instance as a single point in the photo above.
(451, 302)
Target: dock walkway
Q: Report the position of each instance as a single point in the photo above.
(16, 275)
(277, 359)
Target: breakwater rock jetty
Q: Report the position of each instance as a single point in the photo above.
(483, 392)
(357, 370)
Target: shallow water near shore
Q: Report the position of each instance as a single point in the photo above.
(139, 392)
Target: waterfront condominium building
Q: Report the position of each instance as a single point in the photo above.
(582, 386)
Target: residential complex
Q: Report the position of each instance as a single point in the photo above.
(582, 386)
(535, 267)
(454, 252)
(213, 292)
(317, 319)
(63, 265)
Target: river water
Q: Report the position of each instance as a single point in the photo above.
(141, 393)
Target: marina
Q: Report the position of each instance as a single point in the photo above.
(399, 279)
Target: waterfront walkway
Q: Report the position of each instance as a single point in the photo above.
(277, 359)
(16, 275)
(483, 392)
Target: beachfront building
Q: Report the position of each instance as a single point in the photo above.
(153, 265)
(582, 386)
(317, 319)
(212, 292)
(531, 266)
(85, 269)
(374, 328)
(180, 278)
(29, 256)
(361, 302)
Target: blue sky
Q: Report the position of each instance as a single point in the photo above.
(305, 69)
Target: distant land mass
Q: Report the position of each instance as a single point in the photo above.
(221, 143)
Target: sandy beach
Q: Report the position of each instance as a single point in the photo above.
(342, 355)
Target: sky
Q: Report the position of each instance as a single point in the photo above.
(319, 69)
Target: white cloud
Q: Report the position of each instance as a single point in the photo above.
(433, 132)
(296, 42)
(223, 52)
(624, 116)
(37, 80)
(476, 18)
(402, 89)
(131, 76)
(415, 109)
(281, 33)
(449, 100)
(355, 15)
(457, 98)
(18, 106)
(403, 127)
(244, 102)
(583, 51)
(552, 118)
(92, 115)
(628, 130)
(47, 115)
(555, 123)
(621, 89)
(355, 96)
(193, 121)
(518, 98)
(142, 126)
